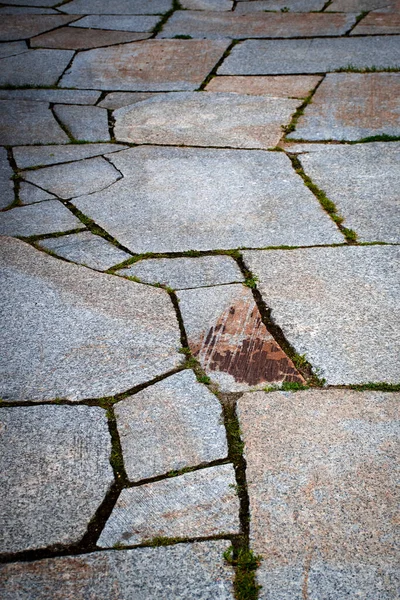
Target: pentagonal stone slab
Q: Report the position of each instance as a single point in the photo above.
(334, 305)
(36, 67)
(118, 7)
(30, 194)
(207, 4)
(378, 23)
(323, 506)
(26, 156)
(293, 5)
(69, 38)
(88, 123)
(25, 122)
(72, 333)
(282, 86)
(182, 571)
(204, 199)
(12, 49)
(58, 96)
(6, 184)
(55, 473)
(38, 219)
(17, 27)
(198, 504)
(120, 23)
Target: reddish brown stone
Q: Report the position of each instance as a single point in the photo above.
(280, 86)
(72, 38)
(18, 27)
(378, 23)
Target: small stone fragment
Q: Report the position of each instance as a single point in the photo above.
(117, 7)
(69, 38)
(28, 156)
(6, 183)
(116, 100)
(378, 23)
(23, 122)
(88, 123)
(55, 96)
(17, 27)
(38, 219)
(30, 194)
(36, 67)
(302, 6)
(120, 23)
(283, 86)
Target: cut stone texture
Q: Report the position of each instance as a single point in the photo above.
(17, 27)
(57, 96)
(117, 7)
(196, 119)
(75, 178)
(55, 473)
(27, 10)
(86, 249)
(154, 65)
(181, 273)
(207, 4)
(283, 86)
(33, 2)
(269, 57)
(179, 199)
(177, 572)
(119, 99)
(80, 39)
(358, 6)
(72, 333)
(38, 219)
(173, 424)
(333, 304)
(30, 194)
(23, 122)
(323, 506)
(226, 334)
(6, 184)
(302, 6)
(374, 23)
(12, 49)
(28, 156)
(89, 123)
(36, 67)
(120, 23)
(352, 106)
(198, 504)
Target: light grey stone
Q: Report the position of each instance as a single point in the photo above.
(38, 219)
(6, 184)
(30, 194)
(200, 119)
(29, 156)
(58, 96)
(338, 306)
(119, 99)
(218, 5)
(27, 10)
(183, 273)
(73, 333)
(178, 199)
(119, 23)
(293, 5)
(12, 48)
(170, 425)
(86, 249)
(74, 178)
(269, 57)
(36, 67)
(179, 572)
(18, 27)
(55, 472)
(88, 123)
(33, 2)
(117, 7)
(198, 504)
(23, 122)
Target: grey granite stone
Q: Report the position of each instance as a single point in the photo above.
(33, 2)
(198, 504)
(30, 194)
(6, 184)
(73, 333)
(293, 5)
(74, 178)
(269, 57)
(323, 506)
(74, 38)
(359, 6)
(120, 23)
(58, 96)
(36, 67)
(12, 49)
(88, 123)
(38, 219)
(116, 100)
(18, 27)
(338, 306)
(180, 572)
(55, 473)
(178, 199)
(181, 273)
(217, 5)
(86, 249)
(24, 122)
(198, 119)
(117, 7)
(26, 10)
(170, 425)
(279, 86)
(28, 156)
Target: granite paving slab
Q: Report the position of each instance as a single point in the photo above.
(17, 27)
(207, 199)
(36, 67)
(198, 504)
(48, 95)
(117, 7)
(70, 38)
(227, 336)
(6, 184)
(72, 333)
(302, 6)
(120, 23)
(29, 156)
(55, 473)
(33, 2)
(332, 304)
(197, 119)
(88, 123)
(393, 6)
(323, 507)
(182, 571)
(116, 100)
(207, 4)
(359, 6)
(171, 425)
(378, 23)
(282, 86)
(27, 10)
(30, 194)
(38, 219)
(25, 122)
(12, 49)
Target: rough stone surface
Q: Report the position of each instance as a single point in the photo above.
(12, 49)
(178, 572)
(195, 119)
(27, 156)
(23, 122)
(33, 2)
(302, 6)
(198, 504)
(57, 96)
(17, 27)
(181, 273)
(72, 38)
(358, 6)
(6, 184)
(154, 65)
(323, 506)
(338, 306)
(73, 333)
(173, 424)
(378, 23)
(36, 67)
(26, 10)
(117, 7)
(55, 473)
(283, 86)
(120, 23)
(30, 194)
(119, 99)
(226, 334)
(178, 199)
(207, 4)
(38, 219)
(89, 123)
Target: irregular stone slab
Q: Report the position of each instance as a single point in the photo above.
(81, 39)
(33, 2)
(28, 156)
(284, 86)
(181, 273)
(302, 6)
(182, 571)
(155, 65)
(119, 99)
(30, 194)
(23, 122)
(86, 249)
(205, 199)
(38, 219)
(120, 23)
(323, 506)
(117, 7)
(27, 10)
(55, 473)
(269, 57)
(58, 96)
(75, 178)
(88, 123)
(17, 27)
(6, 184)
(358, 6)
(173, 424)
(207, 4)
(198, 504)
(195, 119)
(12, 49)
(352, 106)
(378, 23)
(333, 304)
(36, 67)
(70, 332)
(226, 334)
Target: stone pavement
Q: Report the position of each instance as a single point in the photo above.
(200, 244)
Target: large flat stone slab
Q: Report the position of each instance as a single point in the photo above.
(12, 49)
(198, 504)
(49, 95)
(205, 199)
(24, 122)
(72, 333)
(33, 2)
(359, 6)
(6, 184)
(30, 194)
(226, 334)
(302, 6)
(323, 506)
(29, 156)
(334, 305)
(36, 67)
(207, 4)
(27, 10)
(120, 23)
(55, 473)
(38, 219)
(86, 123)
(378, 23)
(117, 7)
(72, 38)
(18, 27)
(154, 65)
(282, 86)
(180, 572)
